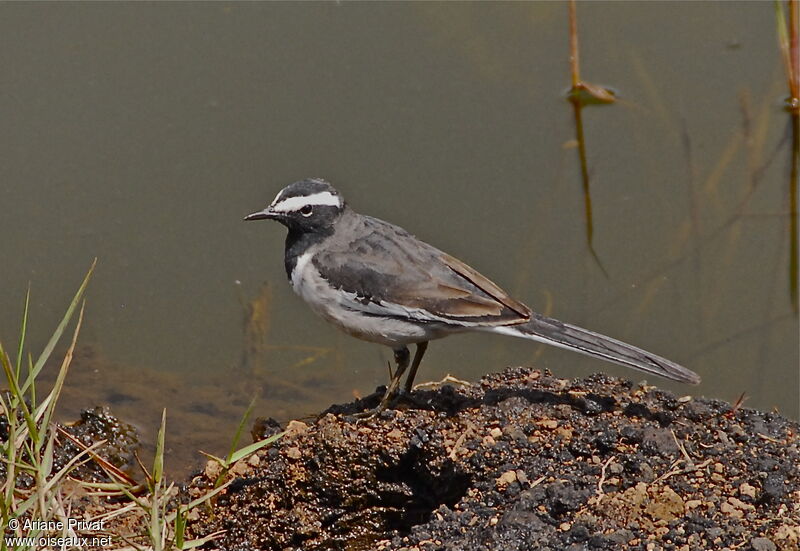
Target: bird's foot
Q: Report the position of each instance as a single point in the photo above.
(368, 414)
(386, 400)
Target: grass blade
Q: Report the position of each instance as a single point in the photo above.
(239, 430)
(255, 446)
(62, 374)
(158, 462)
(17, 393)
(51, 344)
(180, 527)
(23, 330)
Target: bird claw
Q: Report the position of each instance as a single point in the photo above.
(368, 414)
(382, 406)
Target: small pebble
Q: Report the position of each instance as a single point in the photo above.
(506, 478)
(739, 504)
(548, 423)
(240, 468)
(762, 544)
(212, 470)
(730, 510)
(295, 427)
(294, 453)
(746, 489)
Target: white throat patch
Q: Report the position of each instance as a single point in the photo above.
(296, 203)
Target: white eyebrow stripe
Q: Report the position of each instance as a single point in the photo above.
(296, 203)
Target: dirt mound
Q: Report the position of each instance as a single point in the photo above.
(521, 460)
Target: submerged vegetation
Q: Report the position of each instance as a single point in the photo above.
(790, 52)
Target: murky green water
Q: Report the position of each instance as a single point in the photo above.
(142, 134)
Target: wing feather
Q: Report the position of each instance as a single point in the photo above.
(387, 271)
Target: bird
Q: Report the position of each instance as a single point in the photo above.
(379, 283)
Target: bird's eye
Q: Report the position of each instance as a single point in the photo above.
(306, 210)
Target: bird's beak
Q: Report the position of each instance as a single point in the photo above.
(266, 214)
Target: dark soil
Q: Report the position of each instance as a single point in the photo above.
(522, 460)
(120, 442)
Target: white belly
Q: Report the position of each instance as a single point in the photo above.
(337, 307)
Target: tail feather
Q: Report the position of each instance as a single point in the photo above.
(571, 337)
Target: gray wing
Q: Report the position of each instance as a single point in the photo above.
(387, 271)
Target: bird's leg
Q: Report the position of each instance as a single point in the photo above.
(401, 358)
(421, 348)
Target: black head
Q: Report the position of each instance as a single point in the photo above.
(309, 205)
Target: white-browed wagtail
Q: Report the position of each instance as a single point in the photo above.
(379, 283)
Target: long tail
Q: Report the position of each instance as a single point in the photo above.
(571, 337)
